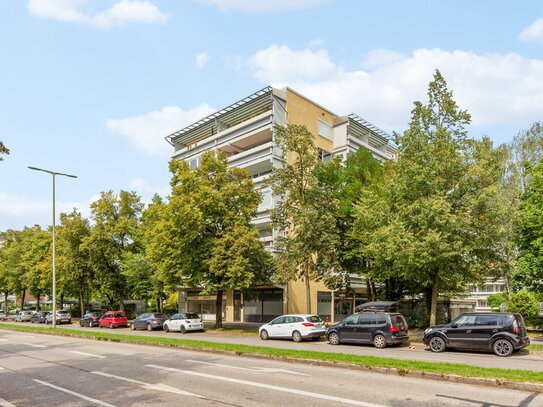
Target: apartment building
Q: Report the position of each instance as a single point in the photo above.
(245, 132)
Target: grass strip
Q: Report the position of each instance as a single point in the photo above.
(515, 375)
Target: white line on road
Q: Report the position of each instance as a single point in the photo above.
(3, 340)
(269, 386)
(150, 386)
(33, 345)
(251, 369)
(5, 403)
(73, 393)
(88, 354)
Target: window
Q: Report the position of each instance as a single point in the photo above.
(326, 156)
(313, 318)
(194, 162)
(325, 130)
(324, 303)
(351, 320)
(266, 199)
(279, 320)
(465, 320)
(367, 319)
(485, 320)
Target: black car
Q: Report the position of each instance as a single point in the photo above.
(39, 317)
(91, 319)
(502, 332)
(149, 321)
(379, 328)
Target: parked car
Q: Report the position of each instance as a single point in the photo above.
(149, 321)
(502, 332)
(295, 327)
(90, 319)
(113, 319)
(24, 316)
(39, 317)
(62, 317)
(188, 321)
(374, 327)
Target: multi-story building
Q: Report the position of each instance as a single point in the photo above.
(245, 132)
(479, 293)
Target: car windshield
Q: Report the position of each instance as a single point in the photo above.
(314, 318)
(62, 312)
(160, 316)
(192, 316)
(119, 315)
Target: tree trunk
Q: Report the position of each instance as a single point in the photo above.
(38, 303)
(121, 302)
(6, 302)
(81, 302)
(368, 290)
(158, 301)
(61, 305)
(307, 290)
(433, 305)
(23, 298)
(374, 291)
(218, 310)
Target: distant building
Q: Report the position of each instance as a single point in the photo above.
(245, 132)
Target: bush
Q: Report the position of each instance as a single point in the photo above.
(524, 303)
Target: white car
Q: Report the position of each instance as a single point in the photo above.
(295, 327)
(188, 321)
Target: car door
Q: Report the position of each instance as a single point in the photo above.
(275, 327)
(175, 320)
(485, 327)
(365, 327)
(141, 321)
(348, 328)
(460, 332)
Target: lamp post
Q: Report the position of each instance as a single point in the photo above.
(54, 280)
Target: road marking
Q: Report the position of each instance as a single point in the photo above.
(22, 336)
(3, 340)
(5, 403)
(88, 354)
(33, 345)
(269, 386)
(251, 369)
(73, 393)
(150, 386)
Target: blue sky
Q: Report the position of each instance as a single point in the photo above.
(92, 87)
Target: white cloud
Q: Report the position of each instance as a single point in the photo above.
(146, 191)
(261, 6)
(497, 89)
(121, 13)
(317, 42)
(534, 32)
(147, 131)
(17, 209)
(202, 60)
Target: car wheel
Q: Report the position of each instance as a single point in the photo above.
(166, 328)
(503, 347)
(333, 338)
(379, 341)
(133, 326)
(182, 329)
(437, 344)
(110, 325)
(149, 327)
(296, 336)
(264, 335)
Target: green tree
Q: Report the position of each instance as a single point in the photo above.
(3, 150)
(524, 303)
(529, 226)
(36, 244)
(72, 257)
(203, 236)
(304, 215)
(495, 301)
(116, 219)
(349, 179)
(435, 219)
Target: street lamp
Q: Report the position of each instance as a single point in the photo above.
(54, 282)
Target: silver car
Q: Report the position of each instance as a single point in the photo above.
(63, 317)
(24, 316)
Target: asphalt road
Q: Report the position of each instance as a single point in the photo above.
(42, 370)
(519, 360)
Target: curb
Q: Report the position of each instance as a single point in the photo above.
(477, 381)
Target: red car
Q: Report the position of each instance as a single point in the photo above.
(113, 319)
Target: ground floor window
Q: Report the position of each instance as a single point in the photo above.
(324, 305)
(262, 305)
(205, 305)
(343, 306)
